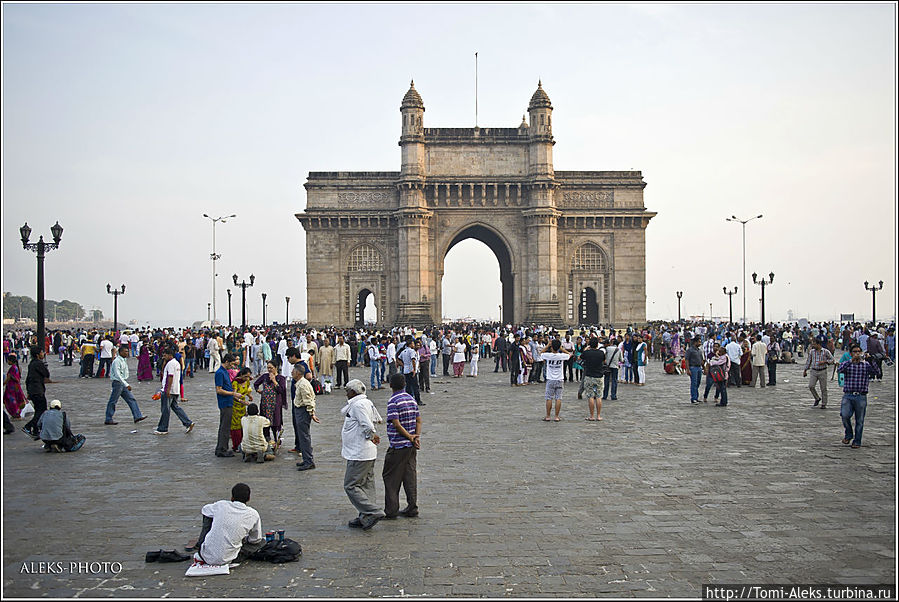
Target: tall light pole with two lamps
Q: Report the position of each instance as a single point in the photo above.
(115, 312)
(874, 290)
(763, 283)
(215, 256)
(243, 298)
(734, 218)
(730, 305)
(40, 247)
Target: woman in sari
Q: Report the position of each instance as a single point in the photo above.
(272, 389)
(144, 364)
(13, 397)
(675, 344)
(745, 363)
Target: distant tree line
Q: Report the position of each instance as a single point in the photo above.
(25, 307)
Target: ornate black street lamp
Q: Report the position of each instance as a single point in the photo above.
(115, 312)
(730, 304)
(679, 295)
(263, 309)
(287, 311)
(243, 297)
(874, 290)
(763, 283)
(229, 307)
(40, 247)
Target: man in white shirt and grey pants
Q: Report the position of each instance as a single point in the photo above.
(359, 450)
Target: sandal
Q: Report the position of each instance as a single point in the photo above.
(557, 419)
(546, 420)
(590, 419)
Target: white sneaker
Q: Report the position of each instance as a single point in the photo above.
(160, 432)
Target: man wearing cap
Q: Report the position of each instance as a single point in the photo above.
(360, 439)
(56, 432)
(817, 360)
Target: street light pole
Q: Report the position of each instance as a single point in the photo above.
(874, 290)
(730, 305)
(287, 311)
(679, 295)
(734, 218)
(215, 256)
(115, 312)
(41, 248)
(229, 307)
(763, 283)
(243, 298)
(263, 309)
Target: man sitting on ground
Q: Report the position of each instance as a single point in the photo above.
(56, 432)
(253, 443)
(232, 531)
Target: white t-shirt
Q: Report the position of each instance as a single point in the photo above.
(106, 348)
(173, 368)
(555, 364)
(232, 522)
(391, 353)
(459, 355)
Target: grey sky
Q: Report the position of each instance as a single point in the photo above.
(127, 123)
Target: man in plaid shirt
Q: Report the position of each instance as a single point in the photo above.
(855, 394)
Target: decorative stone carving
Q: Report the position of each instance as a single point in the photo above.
(363, 197)
(586, 199)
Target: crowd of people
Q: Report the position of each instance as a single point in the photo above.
(261, 372)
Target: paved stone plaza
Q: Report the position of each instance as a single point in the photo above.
(655, 500)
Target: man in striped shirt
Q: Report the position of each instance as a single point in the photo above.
(817, 361)
(404, 435)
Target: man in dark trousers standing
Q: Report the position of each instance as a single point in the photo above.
(35, 386)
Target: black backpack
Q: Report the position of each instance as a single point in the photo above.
(278, 552)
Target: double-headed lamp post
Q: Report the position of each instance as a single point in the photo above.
(215, 257)
(40, 247)
(730, 305)
(763, 283)
(679, 295)
(874, 290)
(287, 310)
(734, 218)
(243, 298)
(115, 312)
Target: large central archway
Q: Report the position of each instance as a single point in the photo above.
(500, 249)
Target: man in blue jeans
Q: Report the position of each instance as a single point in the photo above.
(856, 373)
(613, 354)
(118, 373)
(694, 363)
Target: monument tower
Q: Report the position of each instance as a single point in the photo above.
(570, 244)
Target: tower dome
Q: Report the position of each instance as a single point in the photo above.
(539, 99)
(412, 99)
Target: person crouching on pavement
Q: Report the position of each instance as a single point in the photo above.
(253, 443)
(56, 432)
(359, 449)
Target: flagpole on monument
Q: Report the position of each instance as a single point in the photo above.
(475, 90)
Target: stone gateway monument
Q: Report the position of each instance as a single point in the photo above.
(570, 244)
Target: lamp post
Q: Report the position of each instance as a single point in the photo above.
(40, 247)
(734, 218)
(730, 305)
(763, 283)
(287, 311)
(874, 290)
(243, 297)
(115, 312)
(263, 309)
(215, 257)
(229, 307)
(679, 295)
(208, 311)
